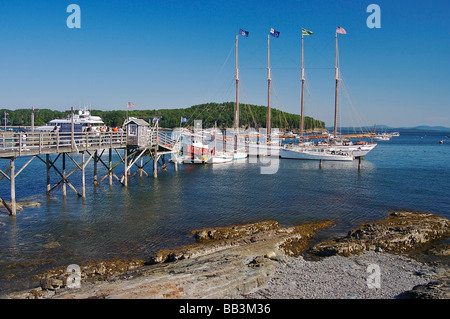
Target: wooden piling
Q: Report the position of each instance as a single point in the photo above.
(110, 168)
(13, 187)
(125, 174)
(141, 167)
(83, 178)
(95, 167)
(64, 188)
(47, 162)
(155, 165)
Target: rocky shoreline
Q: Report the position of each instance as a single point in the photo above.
(266, 260)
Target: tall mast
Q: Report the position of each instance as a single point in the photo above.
(236, 115)
(269, 80)
(336, 74)
(302, 98)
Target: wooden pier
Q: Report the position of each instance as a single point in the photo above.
(53, 148)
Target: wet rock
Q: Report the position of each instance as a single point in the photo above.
(258, 261)
(53, 244)
(50, 283)
(436, 289)
(292, 240)
(400, 232)
(220, 233)
(56, 278)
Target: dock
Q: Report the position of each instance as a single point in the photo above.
(138, 141)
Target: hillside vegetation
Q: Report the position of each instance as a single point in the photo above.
(210, 113)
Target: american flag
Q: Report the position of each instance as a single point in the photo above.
(340, 30)
(130, 105)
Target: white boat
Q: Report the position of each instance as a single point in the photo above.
(307, 153)
(335, 149)
(358, 149)
(395, 134)
(240, 154)
(220, 158)
(382, 137)
(83, 120)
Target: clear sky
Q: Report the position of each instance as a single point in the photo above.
(171, 54)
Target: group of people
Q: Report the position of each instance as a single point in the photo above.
(103, 128)
(95, 129)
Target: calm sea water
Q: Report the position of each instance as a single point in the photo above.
(409, 172)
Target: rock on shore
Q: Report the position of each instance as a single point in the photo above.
(400, 232)
(262, 260)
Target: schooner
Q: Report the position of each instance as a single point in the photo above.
(335, 149)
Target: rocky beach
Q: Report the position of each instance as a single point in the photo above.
(402, 256)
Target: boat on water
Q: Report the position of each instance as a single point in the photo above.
(240, 154)
(335, 148)
(382, 137)
(220, 158)
(196, 151)
(319, 153)
(83, 121)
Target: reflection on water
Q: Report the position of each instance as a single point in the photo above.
(152, 214)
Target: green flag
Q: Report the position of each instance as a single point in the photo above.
(306, 32)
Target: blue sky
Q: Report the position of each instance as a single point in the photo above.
(170, 54)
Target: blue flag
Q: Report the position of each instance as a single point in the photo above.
(274, 33)
(243, 33)
(184, 119)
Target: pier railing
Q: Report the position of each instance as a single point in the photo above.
(165, 139)
(14, 144)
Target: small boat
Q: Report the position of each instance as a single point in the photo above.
(382, 137)
(441, 142)
(240, 154)
(220, 158)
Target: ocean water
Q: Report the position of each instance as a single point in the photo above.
(409, 172)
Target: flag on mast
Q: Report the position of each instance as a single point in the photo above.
(130, 105)
(306, 32)
(340, 30)
(184, 119)
(274, 33)
(243, 32)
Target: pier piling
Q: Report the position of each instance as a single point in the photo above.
(13, 187)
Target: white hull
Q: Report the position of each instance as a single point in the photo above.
(382, 137)
(356, 150)
(314, 154)
(239, 155)
(220, 159)
(83, 118)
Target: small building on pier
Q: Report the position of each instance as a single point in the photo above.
(138, 132)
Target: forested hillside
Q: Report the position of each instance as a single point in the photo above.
(221, 113)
